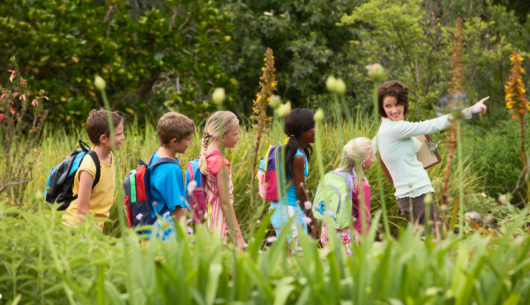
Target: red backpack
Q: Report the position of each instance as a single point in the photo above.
(137, 198)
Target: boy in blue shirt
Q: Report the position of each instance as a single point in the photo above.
(168, 192)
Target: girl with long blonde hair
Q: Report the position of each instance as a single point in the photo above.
(222, 130)
(357, 157)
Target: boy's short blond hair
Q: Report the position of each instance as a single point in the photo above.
(97, 124)
(174, 125)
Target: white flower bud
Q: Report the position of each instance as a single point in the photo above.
(218, 96)
(319, 115)
(341, 86)
(271, 239)
(428, 199)
(376, 71)
(275, 101)
(99, 82)
(331, 84)
(284, 110)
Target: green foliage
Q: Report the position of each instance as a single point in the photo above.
(143, 55)
(413, 42)
(47, 263)
(494, 153)
(307, 46)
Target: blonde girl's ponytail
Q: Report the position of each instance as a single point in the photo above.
(219, 123)
(358, 149)
(204, 146)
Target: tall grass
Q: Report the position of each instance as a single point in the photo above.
(44, 262)
(140, 143)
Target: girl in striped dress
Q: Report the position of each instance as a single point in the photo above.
(222, 128)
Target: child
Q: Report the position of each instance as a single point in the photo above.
(300, 128)
(356, 150)
(222, 128)
(168, 193)
(97, 200)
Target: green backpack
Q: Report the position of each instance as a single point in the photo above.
(334, 200)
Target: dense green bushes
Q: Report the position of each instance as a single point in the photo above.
(164, 54)
(142, 54)
(494, 153)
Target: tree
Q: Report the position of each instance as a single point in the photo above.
(307, 45)
(411, 38)
(151, 56)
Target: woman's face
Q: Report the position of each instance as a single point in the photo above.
(309, 136)
(231, 138)
(393, 110)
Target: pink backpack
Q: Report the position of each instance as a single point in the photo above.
(197, 199)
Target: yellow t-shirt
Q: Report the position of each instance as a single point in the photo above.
(101, 197)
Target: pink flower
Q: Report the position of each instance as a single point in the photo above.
(1, 117)
(35, 102)
(12, 75)
(23, 96)
(307, 220)
(345, 239)
(139, 216)
(15, 94)
(23, 83)
(46, 97)
(12, 110)
(307, 205)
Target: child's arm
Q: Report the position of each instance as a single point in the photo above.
(83, 197)
(299, 181)
(363, 217)
(179, 214)
(228, 209)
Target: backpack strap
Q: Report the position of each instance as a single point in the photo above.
(164, 160)
(216, 153)
(84, 146)
(95, 158)
(150, 159)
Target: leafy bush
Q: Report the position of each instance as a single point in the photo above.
(143, 53)
(494, 153)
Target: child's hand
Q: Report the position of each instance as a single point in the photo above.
(479, 107)
(240, 242)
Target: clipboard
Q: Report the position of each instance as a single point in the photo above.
(427, 157)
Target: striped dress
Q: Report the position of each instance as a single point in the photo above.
(217, 220)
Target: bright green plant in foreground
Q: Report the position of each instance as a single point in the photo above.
(44, 262)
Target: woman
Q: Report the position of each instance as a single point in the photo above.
(398, 146)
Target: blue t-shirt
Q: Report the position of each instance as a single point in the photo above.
(167, 187)
(291, 191)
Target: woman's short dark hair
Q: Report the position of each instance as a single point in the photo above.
(395, 89)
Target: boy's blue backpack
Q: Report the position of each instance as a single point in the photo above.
(197, 198)
(61, 178)
(137, 197)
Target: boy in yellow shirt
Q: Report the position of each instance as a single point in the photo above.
(96, 200)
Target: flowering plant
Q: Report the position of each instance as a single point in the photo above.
(21, 118)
